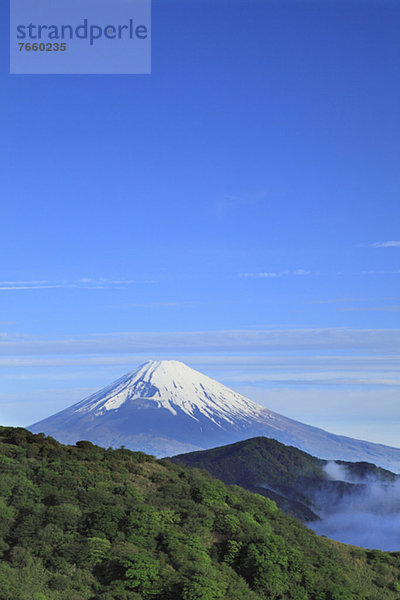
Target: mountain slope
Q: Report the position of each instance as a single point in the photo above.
(165, 408)
(292, 478)
(85, 523)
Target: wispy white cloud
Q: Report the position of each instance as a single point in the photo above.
(262, 275)
(4, 335)
(82, 283)
(389, 244)
(392, 272)
(266, 274)
(301, 272)
(320, 379)
(226, 363)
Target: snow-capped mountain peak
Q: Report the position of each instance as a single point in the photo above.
(172, 385)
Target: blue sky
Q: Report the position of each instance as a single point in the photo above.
(238, 208)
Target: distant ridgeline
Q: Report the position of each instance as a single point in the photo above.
(295, 480)
(85, 523)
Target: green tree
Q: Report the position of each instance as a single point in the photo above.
(142, 574)
(202, 587)
(97, 549)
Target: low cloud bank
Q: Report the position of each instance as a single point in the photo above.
(263, 340)
(368, 516)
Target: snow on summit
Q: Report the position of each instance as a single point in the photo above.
(165, 407)
(172, 385)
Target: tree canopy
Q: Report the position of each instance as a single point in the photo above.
(87, 523)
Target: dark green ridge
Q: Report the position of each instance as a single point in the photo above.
(88, 523)
(292, 477)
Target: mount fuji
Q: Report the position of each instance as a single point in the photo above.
(165, 407)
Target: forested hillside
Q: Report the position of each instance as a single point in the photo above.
(85, 523)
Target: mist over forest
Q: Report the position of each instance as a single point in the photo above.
(368, 517)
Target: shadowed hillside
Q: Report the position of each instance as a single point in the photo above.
(291, 477)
